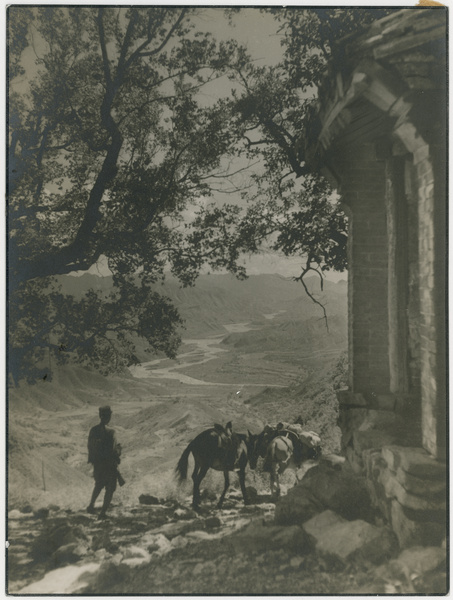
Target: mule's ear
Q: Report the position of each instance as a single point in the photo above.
(249, 433)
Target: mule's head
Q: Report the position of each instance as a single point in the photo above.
(315, 452)
(312, 442)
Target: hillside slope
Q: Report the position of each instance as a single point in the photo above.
(251, 376)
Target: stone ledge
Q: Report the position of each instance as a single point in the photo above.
(415, 461)
(394, 489)
(419, 486)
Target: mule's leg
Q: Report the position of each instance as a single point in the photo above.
(201, 473)
(277, 485)
(225, 487)
(275, 482)
(296, 472)
(242, 484)
(196, 487)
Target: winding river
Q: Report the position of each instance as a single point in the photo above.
(200, 351)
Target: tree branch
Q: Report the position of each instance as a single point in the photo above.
(139, 53)
(301, 279)
(105, 58)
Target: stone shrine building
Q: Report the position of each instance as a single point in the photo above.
(379, 135)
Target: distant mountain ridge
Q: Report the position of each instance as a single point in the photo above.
(216, 300)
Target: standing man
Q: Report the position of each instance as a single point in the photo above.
(104, 454)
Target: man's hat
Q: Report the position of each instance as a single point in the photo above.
(105, 410)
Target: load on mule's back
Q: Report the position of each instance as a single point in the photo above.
(282, 447)
(217, 448)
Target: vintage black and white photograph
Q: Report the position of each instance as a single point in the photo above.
(226, 300)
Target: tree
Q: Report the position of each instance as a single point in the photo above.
(109, 144)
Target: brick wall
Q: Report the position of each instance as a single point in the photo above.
(374, 304)
(362, 188)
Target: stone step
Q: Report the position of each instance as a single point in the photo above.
(414, 461)
(394, 489)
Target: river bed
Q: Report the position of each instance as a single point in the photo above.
(200, 350)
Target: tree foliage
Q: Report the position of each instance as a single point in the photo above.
(111, 143)
(274, 108)
(111, 139)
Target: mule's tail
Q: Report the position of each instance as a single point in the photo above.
(181, 467)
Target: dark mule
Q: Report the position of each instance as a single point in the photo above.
(283, 449)
(216, 449)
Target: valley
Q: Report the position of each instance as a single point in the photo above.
(262, 368)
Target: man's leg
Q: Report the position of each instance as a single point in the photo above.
(96, 491)
(109, 489)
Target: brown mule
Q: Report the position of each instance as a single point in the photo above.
(219, 450)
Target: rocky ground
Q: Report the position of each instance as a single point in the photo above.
(161, 546)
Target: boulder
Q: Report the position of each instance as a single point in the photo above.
(344, 539)
(156, 543)
(325, 488)
(333, 461)
(54, 536)
(322, 521)
(252, 494)
(422, 559)
(69, 554)
(135, 555)
(102, 540)
(297, 506)
(15, 514)
(261, 538)
(112, 572)
(172, 530)
(381, 548)
(148, 499)
(419, 564)
(185, 514)
(212, 522)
